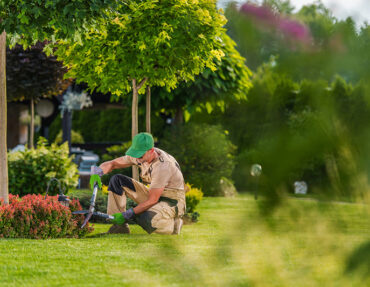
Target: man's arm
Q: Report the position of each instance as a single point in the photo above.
(119, 162)
(122, 217)
(154, 194)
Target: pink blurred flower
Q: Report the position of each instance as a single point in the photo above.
(262, 13)
(294, 29)
(290, 28)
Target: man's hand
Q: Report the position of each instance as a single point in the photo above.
(121, 217)
(97, 170)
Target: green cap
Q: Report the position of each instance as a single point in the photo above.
(141, 143)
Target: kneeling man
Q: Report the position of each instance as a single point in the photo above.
(161, 205)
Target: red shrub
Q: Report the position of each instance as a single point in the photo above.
(32, 216)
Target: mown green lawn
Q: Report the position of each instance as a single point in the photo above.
(302, 243)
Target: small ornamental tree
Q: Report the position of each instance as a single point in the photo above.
(151, 43)
(28, 22)
(32, 75)
(146, 43)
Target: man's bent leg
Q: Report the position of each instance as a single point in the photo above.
(160, 218)
(117, 200)
(151, 222)
(117, 196)
(157, 219)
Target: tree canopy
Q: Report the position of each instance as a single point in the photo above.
(165, 42)
(27, 22)
(32, 75)
(230, 81)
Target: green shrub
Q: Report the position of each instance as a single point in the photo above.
(76, 137)
(204, 153)
(37, 217)
(193, 197)
(103, 125)
(31, 170)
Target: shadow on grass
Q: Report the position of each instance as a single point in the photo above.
(359, 260)
(105, 234)
(97, 235)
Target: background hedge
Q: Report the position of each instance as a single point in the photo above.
(31, 170)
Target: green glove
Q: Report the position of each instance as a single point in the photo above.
(95, 178)
(118, 218)
(121, 218)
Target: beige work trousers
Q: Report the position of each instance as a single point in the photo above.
(157, 219)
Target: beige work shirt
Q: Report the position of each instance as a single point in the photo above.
(163, 172)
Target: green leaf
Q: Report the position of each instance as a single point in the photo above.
(187, 116)
(209, 107)
(48, 50)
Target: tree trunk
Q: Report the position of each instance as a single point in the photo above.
(179, 117)
(32, 123)
(3, 118)
(134, 109)
(148, 108)
(134, 122)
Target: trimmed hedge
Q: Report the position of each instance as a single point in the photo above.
(204, 153)
(36, 217)
(76, 137)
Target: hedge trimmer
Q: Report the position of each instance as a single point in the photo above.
(95, 184)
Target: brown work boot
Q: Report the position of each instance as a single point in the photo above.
(119, 229)
(178, 225)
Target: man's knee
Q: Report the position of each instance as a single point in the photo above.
(153, 222)
(145, 220)
(118, 182)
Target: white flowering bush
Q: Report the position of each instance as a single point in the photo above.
(75, 101)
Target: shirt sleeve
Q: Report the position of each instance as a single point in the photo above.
(129, 160)
(161, 175)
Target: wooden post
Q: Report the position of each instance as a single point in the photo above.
(135, 119)
(3, 118)
(134, 122)
(148, 108)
